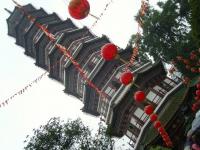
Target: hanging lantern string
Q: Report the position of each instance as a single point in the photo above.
(65, 51)
(142, 12)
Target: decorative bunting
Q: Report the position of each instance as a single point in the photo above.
(5, 102)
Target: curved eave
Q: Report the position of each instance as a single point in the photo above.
(142, 75)
(66, 22)
(25, 7)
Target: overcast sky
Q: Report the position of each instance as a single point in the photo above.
(46, 99)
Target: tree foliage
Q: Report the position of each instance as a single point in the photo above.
(195, 7)
(167, 33)
(72, 135)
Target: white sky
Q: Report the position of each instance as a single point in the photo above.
(46, 99)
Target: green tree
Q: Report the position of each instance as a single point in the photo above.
(195, 6)
(72, 135)
(167, 33)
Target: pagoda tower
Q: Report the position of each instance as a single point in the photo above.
(118, 109)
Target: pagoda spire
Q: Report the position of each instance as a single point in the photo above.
(8, 10)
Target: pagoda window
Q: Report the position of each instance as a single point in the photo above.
(76, 43)
(109, 91)
(160, 90)
(104, 108)
(94, 60)
(153, 97)
(139, 113)
(136, 64)
(62, 68)
(170, 82)
(90, 66)
(81, 86)
(37, 35)
(117, 76)
(132, 143)
(116, 84)
(131, 135)
(166, 86)
(28, 26)
(135, 123)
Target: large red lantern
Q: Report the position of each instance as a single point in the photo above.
(79, 9)
(153, 117)
(126, 78)
(198, 92)
(139, 96)
(148, 109)
(109, 51)
(157, 124)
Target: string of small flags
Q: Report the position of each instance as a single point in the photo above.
(21, 91)
(102, 13)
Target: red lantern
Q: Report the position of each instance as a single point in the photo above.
(164, 136)
(197, 98)
(157, 124)
(139, 96)
(166, 139)
(161, 130)
(148, 109)
(79, 9)
(198, 92)
(194, 107)
(109, 51)
(193, 69)
(153, 117)
(126, 78)
(198, 86)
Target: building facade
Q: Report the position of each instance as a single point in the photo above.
(118, 109)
